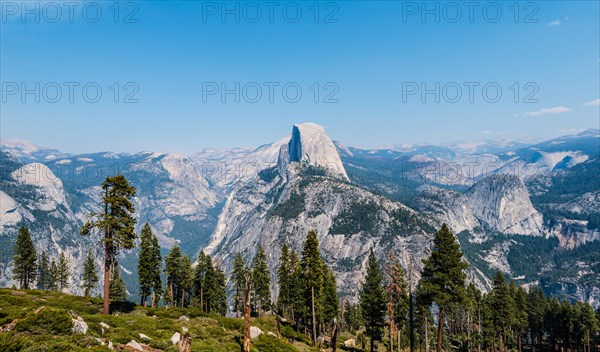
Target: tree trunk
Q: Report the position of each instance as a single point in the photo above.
(334, 334)
(342, 317)
(588, 341)
(398, 335)
(391, 336)
(372, 343)
(440, 330)
(411, 308)
(314, 323)
(106, 304)
(246, 342)
(479, 326)
(426, 335)
(185, 344)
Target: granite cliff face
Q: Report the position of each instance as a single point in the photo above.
(499, 202)
(502, 203)
(311, 145)
(278, 210)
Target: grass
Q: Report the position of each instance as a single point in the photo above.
(49, 329)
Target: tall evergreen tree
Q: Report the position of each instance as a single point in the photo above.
(311, 275)
(238, 277)
(261, 281)
(187, 281)
(203, 277)
(396, 294)
(297, 295)
(443, 277)
(149, 266)
(53, 276)
(219, 292)
(519, 324)
(330, 302)
(284, 280)
(63, 272)
(502, 308)
(116, 224)
(373, 301)
(43, 277)
(90, 276)
(24, 259)
(175, 274)
(118, 290)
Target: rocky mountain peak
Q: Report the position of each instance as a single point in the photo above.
(503, 203)
(310, 144)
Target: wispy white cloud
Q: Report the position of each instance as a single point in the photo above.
(489, 132)
(570, 130)
(592, 103)
(546, 111)
(556, 22)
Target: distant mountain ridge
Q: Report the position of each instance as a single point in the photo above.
(499, 203)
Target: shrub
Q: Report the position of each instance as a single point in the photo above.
(288, 331)
(268, 343)
(48, 321)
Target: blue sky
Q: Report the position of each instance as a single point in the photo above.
(367, 59)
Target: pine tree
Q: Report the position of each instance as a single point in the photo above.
(149, 266)
(204, 281)
(220, 293)
(520, 314)
(261, 281)
(330, 303)
(53, 276)
(118, 290)
(180, 278)
(43, 277)
(502, 308)
(396, 294)
(187, 281)
(24, 259)
(63, 273)
(373, 301)
(311, 276)
(536, 308)
(297, 294)
(238, 277)
(173, 275)
(115, 223)
(90, 276)
(590, 326)
(443, 277)
(284, 280)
